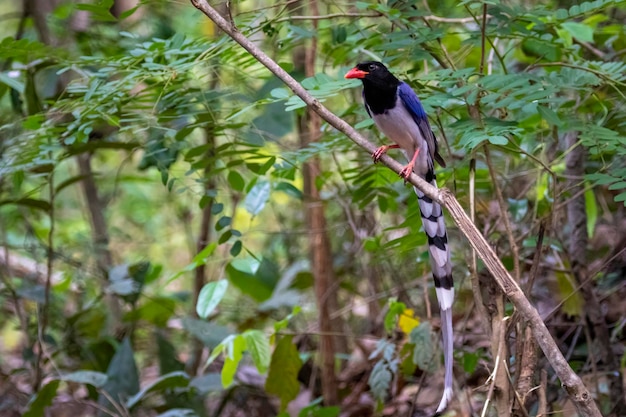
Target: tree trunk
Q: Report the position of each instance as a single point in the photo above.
(331, 334)
(577, 251)
(100, 236)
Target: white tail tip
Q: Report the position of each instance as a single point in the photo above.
(445, 399)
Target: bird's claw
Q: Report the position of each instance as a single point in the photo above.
(382, 150)
(408, 169)
(406, 172)
(379, 153)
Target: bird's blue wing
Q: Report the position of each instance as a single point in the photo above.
(415, 108)
(412, 102)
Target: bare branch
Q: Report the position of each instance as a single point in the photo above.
(455, 19)
(328, 16)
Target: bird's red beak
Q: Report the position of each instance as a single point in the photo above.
(356, 73)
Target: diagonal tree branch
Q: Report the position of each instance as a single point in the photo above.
(572, 383)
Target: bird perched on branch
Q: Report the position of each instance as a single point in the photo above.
(398, 113)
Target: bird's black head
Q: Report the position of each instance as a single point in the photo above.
(373, 73)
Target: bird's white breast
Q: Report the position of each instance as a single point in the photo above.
(398, 125)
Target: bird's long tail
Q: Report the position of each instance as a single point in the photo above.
(435, 228)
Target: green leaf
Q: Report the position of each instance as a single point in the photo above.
(100, 11)
(580, 31)
(125, 287)
(33, 102)
(216, 208)
(168, 358)
(42, 399)
(385, 368)
(289, 189)
(395, 309)
(339, 33)
(295, 103)
(199, 259)
(69, 182)
(93, 146)
(470, 361)
(236, 181)
(206, 383)
(28, 202)
(539, 48)
(12, 82)
(225, 237)
(424, 352)
(280, 93)
(236, 248)
(123, 377)
(380, 380)
(282, 324)
(257, 279)
(172, 380)
(209, 334)
(155, 310)
(210, 296)
(549, 115)
(223, 222)
(570, 296)
(234, 352)
(218, 349)
(97, 379)
(127, 280)
(497, 140)
(591, 207)
(127, 13)
(258, 345)
(282, 379)
(34, 122)
(257, 197)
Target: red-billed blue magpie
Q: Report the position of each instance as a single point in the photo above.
(398, 113)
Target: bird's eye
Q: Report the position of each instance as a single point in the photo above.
(372, 67)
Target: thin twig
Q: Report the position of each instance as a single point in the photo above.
(420, 384)
(598, 53)
(121, 410)
(537, 258)
(542, 408)
(479, 303)
(483, 36)
(516, 393)
(504, 214)
(328, 16)
(44, 309)
(455, 19)
(494, 375)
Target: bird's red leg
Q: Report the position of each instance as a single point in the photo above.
(381, 151)
(406, 171)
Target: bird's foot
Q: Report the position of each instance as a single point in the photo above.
(381, 151)
(407, 171)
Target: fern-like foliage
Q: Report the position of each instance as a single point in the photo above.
(384, 369)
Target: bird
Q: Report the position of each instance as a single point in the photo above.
(399, 114)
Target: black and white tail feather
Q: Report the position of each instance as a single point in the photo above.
(398, 113)
(435, 229)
